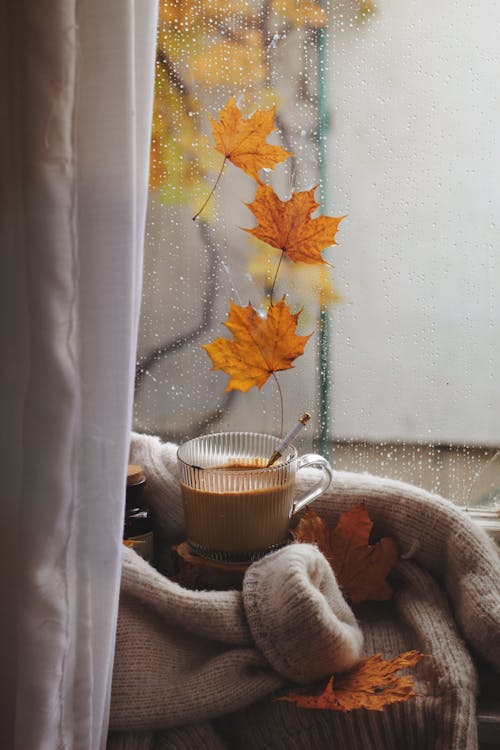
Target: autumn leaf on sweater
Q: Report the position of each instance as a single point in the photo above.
(243, 141)
(288, 226)
(261, 345)
(312, 529)
(371, 684)
(361, 568)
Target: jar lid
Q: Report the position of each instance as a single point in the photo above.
(134, 474)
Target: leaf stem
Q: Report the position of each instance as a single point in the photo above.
(275, 277)
(212, 190)
(281, 401)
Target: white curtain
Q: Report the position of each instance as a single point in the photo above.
(77, 88)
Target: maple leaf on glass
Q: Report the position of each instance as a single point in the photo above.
(361, 568)
(371, 684)
(243, 141)
(289, 227)
(261, 345)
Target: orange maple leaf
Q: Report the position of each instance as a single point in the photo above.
(261, 345)
(360, 568)
(243, 141)
(371, 684)
(288, 226)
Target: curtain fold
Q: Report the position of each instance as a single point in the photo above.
(76, 144)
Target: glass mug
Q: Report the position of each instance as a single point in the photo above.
(236, 509)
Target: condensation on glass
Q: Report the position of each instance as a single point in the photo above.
(412, 102)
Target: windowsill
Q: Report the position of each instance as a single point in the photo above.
(489, 520)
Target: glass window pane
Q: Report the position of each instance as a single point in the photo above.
(410, 96)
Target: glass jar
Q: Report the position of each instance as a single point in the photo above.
(138, 526)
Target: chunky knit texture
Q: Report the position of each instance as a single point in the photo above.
(198, 669)
(298, 616)
(183, 656)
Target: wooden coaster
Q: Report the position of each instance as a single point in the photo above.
(185, 551)
(197, 572)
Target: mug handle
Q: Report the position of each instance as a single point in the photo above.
(312, 459)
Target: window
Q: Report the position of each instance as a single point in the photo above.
(393, 110)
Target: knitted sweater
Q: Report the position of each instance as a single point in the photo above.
(198, 669)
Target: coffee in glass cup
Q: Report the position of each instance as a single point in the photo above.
(236, 508)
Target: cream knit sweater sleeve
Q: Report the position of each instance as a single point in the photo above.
(184, 656)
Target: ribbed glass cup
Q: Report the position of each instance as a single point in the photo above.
(236, 509)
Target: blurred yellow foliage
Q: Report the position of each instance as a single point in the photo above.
(222, 46)
(366, 9)
(185, 12)
(232, 61)
(206, 48)
(179, 12)
(300, 13)
(303, 282)
(207, 45)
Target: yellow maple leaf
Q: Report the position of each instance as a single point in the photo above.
(243, 141)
